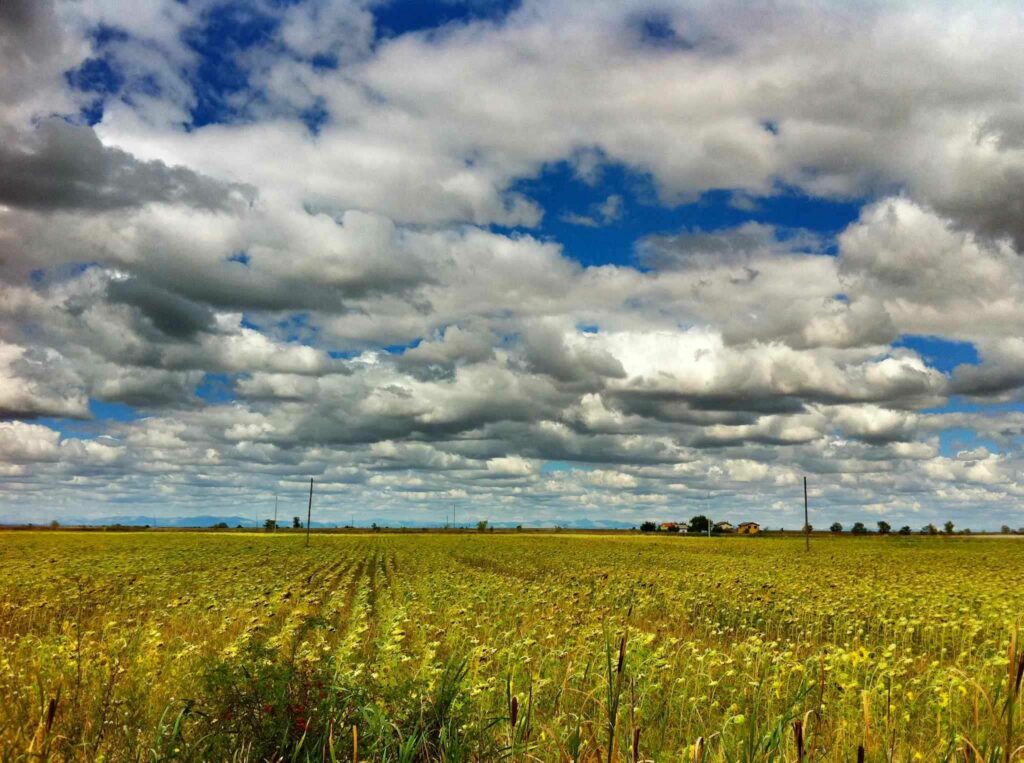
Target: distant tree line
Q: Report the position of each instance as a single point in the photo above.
(699, 525)
(884, 528)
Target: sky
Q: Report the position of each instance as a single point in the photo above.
(539, 261)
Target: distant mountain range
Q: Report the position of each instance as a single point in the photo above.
(234, 521)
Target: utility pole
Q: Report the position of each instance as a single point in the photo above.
(710, 523)
(275, 512)
(309, 511)
(807, 522)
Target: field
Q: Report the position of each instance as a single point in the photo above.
(234, 646)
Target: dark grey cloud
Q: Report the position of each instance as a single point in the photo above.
(173, 315)
(30, 37)
(437, 359)
(25, 27)
(990, 379)
(1006, 126)
(62, 166)
(544, 351)
(992, 206)
(732, 247)
(689, 408)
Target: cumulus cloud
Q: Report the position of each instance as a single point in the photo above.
(929, 276)
(742, 247)
(342, 265)
(170, 313)
(35, 51)
(1000, 372)
(64, 166)
(39, 382)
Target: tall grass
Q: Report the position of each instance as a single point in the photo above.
(474, 648)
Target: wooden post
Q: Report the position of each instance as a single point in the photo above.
(309, 512)
(807, 521)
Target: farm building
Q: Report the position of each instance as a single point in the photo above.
(724, 527)
(748, 528)
(674, 527)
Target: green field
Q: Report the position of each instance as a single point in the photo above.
(211, 646)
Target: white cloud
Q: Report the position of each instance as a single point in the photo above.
(39, 382)
(140, 259)
(510, 466)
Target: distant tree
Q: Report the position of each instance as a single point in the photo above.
(221, 526)
(481, 526)
(807, 529)
(269, 525)
(699, 524)
(884, 528)
(859, 529)
(296, 523)
(905, 530)
(1006, 530)
(519, 528)
(836, 527)
(648, 527)
(375, 527)
(948, 528)
(929, 529)
(55, 525)
(966, 531)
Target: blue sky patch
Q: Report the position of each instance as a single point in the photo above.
(96, 75)
(954, 441)
(656, 30)
(112, 411)
(404, 16)
(562, 193)
(941, 354)
(216, 388)
(296, 329)
(228, 31)
(315, 116)
(565, 466)
(104, 413)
